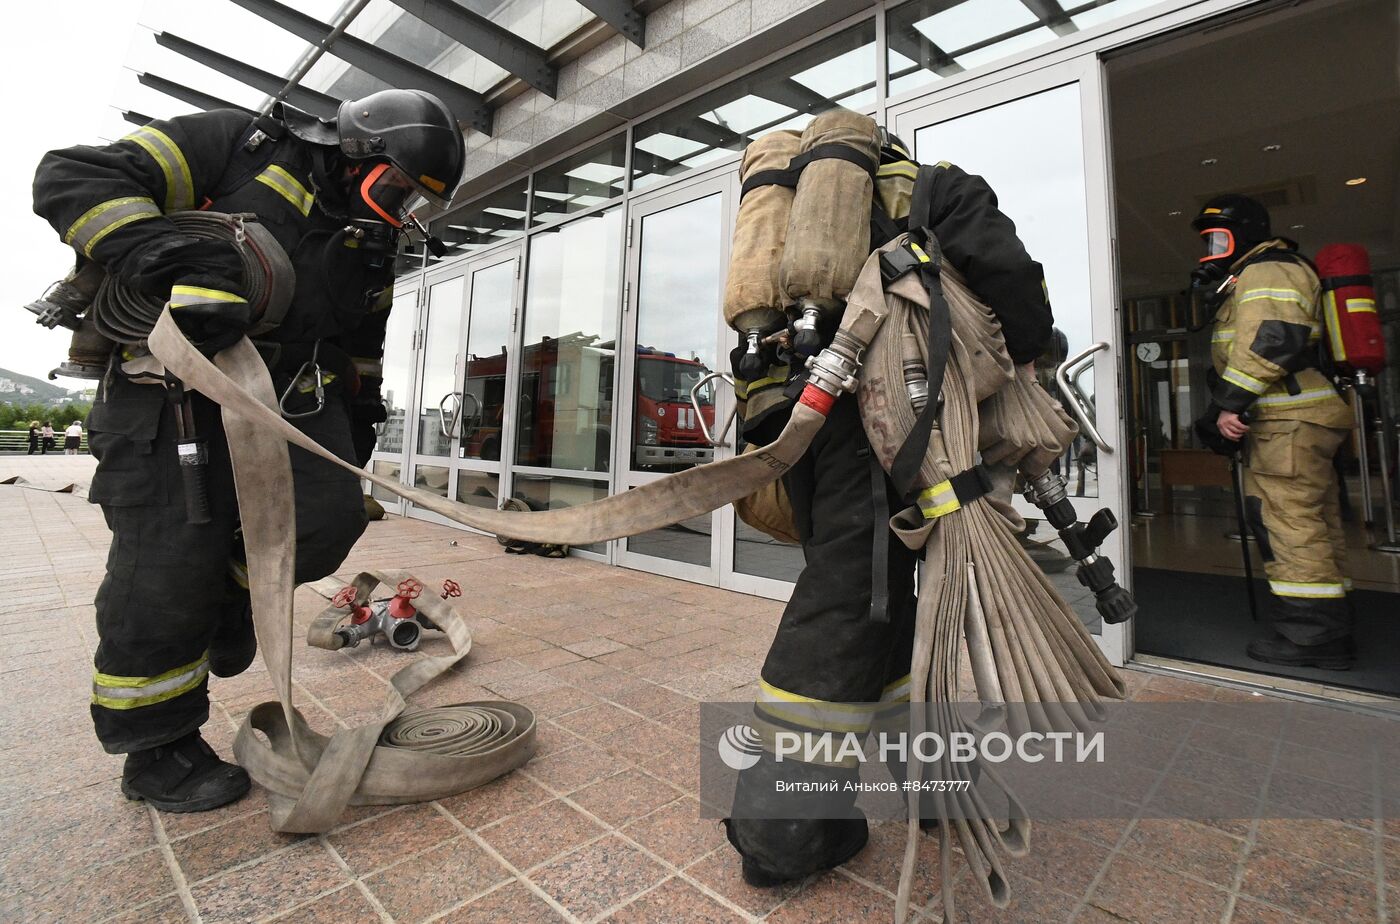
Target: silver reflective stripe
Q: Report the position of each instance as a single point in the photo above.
(1307, 589)
(179, 186)
(133, 692)
(105, 217)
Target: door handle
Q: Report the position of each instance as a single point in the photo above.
(449, 430)
(700, 415)
(1079, 405)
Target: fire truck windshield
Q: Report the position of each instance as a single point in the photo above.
(667, 378)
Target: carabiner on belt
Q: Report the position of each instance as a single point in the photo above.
(313, 366)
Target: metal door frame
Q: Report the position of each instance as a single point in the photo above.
(404, 286)
(465, 268)
(725, 185)
(1086, 72)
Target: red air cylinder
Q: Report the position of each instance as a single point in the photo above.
(1349, 308)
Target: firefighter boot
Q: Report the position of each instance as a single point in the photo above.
(786, 836)
(1308, 633)
(183, 776)
(234, 644)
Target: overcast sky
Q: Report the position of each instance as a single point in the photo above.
(70, 67)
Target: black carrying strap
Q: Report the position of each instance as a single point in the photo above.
(926, 259)
(1341, 282)
(789, 175)
(880, 544)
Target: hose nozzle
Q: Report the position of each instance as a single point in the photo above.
(1047, 491)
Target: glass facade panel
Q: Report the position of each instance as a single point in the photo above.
(488, 332)
(678, 300)
(566, 388)
(398, 370)
(480, 489)
(930, 40)
(546, 492)
(1042, 189)
(431, 478)
(497, 217)
(385, 470)
(840, 70)
(438, 385)
(582, 181)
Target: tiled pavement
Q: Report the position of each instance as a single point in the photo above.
(602, 825)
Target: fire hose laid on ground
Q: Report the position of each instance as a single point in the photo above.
(979, 587)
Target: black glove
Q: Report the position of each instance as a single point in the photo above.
(1208, 432)
(366, 410)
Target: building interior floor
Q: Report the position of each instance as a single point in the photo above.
(1188, 577)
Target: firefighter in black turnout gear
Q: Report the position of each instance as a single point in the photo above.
(174, 604)
(844, 646)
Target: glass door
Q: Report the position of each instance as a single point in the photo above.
(1039, 141)
(674, 344)
(390, 457)
(460, 404)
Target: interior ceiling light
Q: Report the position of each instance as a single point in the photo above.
(1174, 213)
(1210, 162)
(1295, 227)
(1271, 148)
(1356, 181)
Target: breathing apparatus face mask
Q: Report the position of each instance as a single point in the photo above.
(380, 195)
(1220, 252)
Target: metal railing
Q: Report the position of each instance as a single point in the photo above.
(16, 442)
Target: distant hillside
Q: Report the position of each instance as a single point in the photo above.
(23, 389)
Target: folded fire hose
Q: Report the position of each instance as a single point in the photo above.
(978, 586)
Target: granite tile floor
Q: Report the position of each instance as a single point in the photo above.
(602, 825)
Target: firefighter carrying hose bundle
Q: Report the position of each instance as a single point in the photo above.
(174, 605)
(1272, 397)
(845, 641)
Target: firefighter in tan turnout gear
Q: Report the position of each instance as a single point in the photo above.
(1272, 396)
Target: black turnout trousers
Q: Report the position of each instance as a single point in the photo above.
(169, 583)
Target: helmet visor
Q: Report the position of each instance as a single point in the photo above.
(386, 190)
(1219, 242)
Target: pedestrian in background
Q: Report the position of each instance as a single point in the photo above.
(33, 437)
(49, 441)
(73, 438)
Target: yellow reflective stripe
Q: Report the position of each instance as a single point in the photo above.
(1224, 335)
(288, 187)
(185, 296)
(116, 692)
(1311, 396)
(742, 388)
(938, 500)
(918, 251)
(1334, 327)
(902, 168)
(1248, 382)
(1361, 305)
(367, 366)
(179, 185)
(105, 217)
(1282, 295)
(896, 691)
(1307, 589)
(383, 301)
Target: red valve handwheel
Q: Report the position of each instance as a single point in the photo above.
(451, 588)
(410, 588)
(345, 596)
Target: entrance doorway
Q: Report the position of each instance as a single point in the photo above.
(1292, 104)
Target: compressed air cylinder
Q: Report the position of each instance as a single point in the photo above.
(753, 298)
(828, 235)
